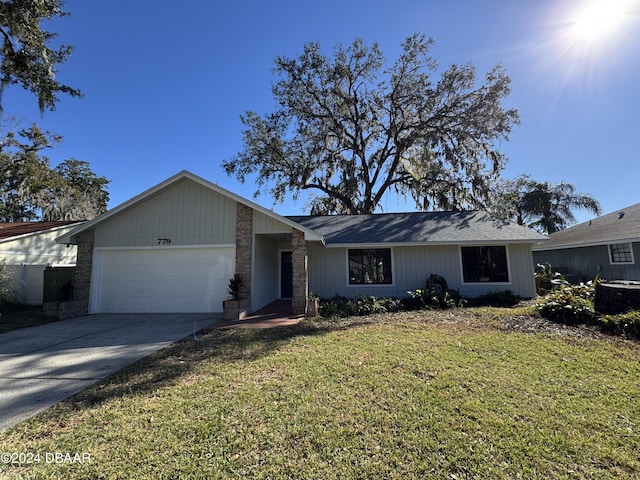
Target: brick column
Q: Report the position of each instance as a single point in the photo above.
(81, 279)
(244, 240)
(299, 267)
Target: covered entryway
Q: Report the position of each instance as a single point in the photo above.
(161, 280)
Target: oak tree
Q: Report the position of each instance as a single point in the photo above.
(348, 128)
(31, 190)
(27, 56)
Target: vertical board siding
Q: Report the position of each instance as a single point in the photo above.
(522, 270)
(265, 224)
(584, 263)
(186, 213)
(327, 270)
(411, 266)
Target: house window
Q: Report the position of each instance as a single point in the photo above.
(621, 253)
(370, 266)
(485, 264)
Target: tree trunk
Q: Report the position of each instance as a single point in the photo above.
(616, 297)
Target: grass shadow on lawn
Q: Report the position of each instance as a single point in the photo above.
(169, 365)
(175, 363)
(419, 395)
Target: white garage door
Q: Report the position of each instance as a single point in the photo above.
(166, 280)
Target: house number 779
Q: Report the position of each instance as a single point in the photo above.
(164, 241)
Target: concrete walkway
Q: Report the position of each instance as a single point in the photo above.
(40, 366)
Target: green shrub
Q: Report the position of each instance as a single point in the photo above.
(624, 324)
(235, 286)
(340, 306)
(415, 300)
(333, 307)
(450, 299)
(547, 278)
(569, 304)
(504, 298)
(368, 304)
(6, 295)
(420, 299)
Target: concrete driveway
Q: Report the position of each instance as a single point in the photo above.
(40, 366)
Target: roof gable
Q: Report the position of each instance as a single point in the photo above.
(620, 226)
(71, 237)
(417, 228)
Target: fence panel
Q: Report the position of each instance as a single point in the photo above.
(58, 284)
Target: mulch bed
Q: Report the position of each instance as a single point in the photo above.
(531, 324)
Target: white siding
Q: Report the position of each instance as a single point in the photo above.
(38, 249)
(186, 213)
(411, 266)
(26, 258)
(265, 279)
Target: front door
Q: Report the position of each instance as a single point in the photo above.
(286, 275)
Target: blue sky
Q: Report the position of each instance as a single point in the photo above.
(165, 83)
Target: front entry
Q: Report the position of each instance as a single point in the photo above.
(286, 275)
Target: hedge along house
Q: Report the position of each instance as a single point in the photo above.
(174, 248)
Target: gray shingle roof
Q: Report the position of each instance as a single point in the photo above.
(620, 226)
(417, 228)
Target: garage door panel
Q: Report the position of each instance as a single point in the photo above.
(162, 280)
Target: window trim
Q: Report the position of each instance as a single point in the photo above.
(611, 262)
(508, 259)
(366, 285)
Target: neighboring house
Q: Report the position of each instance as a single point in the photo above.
(607, 246)
(27, 248)
(174, 247)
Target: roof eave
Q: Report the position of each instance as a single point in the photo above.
(539, 248)
(431, 244)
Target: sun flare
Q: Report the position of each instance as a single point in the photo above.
(599, 18)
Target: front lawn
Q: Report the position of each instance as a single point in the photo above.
(442, 394)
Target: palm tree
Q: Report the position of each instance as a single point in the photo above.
(542, 206)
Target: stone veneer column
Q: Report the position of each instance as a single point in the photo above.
(244, 237)
(299, 267)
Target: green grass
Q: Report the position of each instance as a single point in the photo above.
(390, 396)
